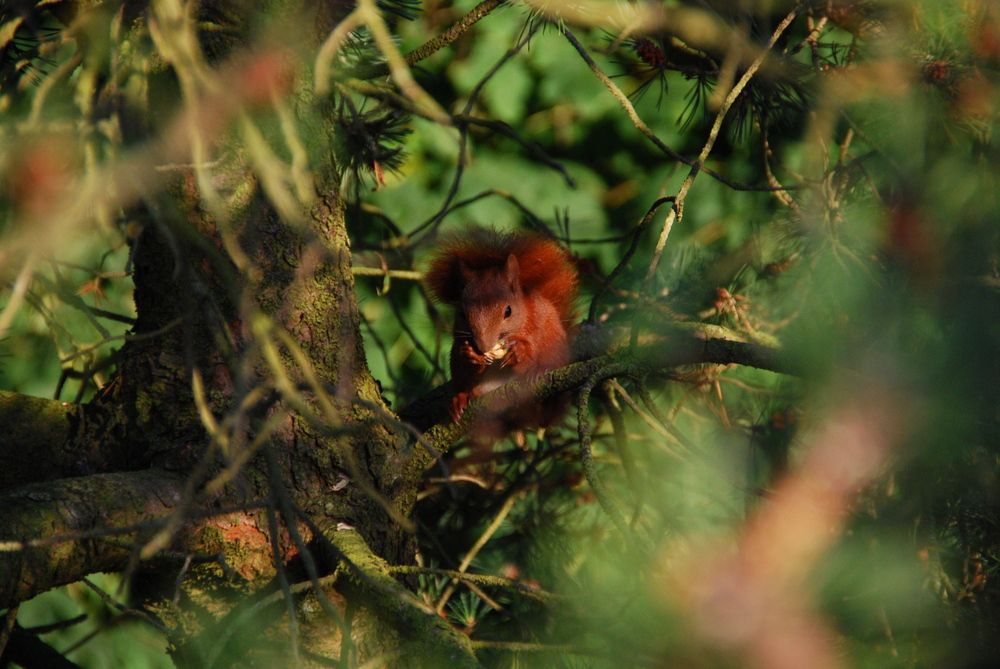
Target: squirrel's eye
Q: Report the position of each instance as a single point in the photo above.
(506, 314)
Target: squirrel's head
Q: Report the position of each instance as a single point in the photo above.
(492, 304)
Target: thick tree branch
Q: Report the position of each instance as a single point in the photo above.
(85, 511)
(680, 344)
(46, 440)
(370, 579)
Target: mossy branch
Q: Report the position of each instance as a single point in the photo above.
(82, 510)
(677, 345)
(369, 578)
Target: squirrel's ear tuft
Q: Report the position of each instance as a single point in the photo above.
(510, 271)
(467, 273)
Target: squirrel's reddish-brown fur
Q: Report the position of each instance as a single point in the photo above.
(514, 295)
(545, 267)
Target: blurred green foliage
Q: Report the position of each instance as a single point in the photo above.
(56, 333)
(105, 638)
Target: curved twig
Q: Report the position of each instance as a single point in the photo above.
(587, 455)
(434, 220)
(481, 579)
(478, 546)
(435, 44)
(677, 212)
(644, 129)
(637, 233)
(632, 475)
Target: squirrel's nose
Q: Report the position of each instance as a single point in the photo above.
(482, 345)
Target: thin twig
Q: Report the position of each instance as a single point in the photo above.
(123, 337)
(21, 284)
(632, 475)
(678, 209)
(276, 486)
(410, 275)
(482, 579)
(372, 17)
(475, 198)
(142, 615)
(641, 125)
(656, 426)
(470, 556)
(783, 196)
(331, 45)
(463, 138)
(587, 455)
(654, 410)
(435, 44)
(636, 235)
(534, 150)
(9, 620)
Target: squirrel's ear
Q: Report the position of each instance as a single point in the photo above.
(510, 270)
(466, 272)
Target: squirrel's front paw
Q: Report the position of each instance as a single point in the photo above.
(512, 358)
(496, 353)
(472, 357)
(458, 404)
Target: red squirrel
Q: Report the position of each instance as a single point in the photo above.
(514, 297)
